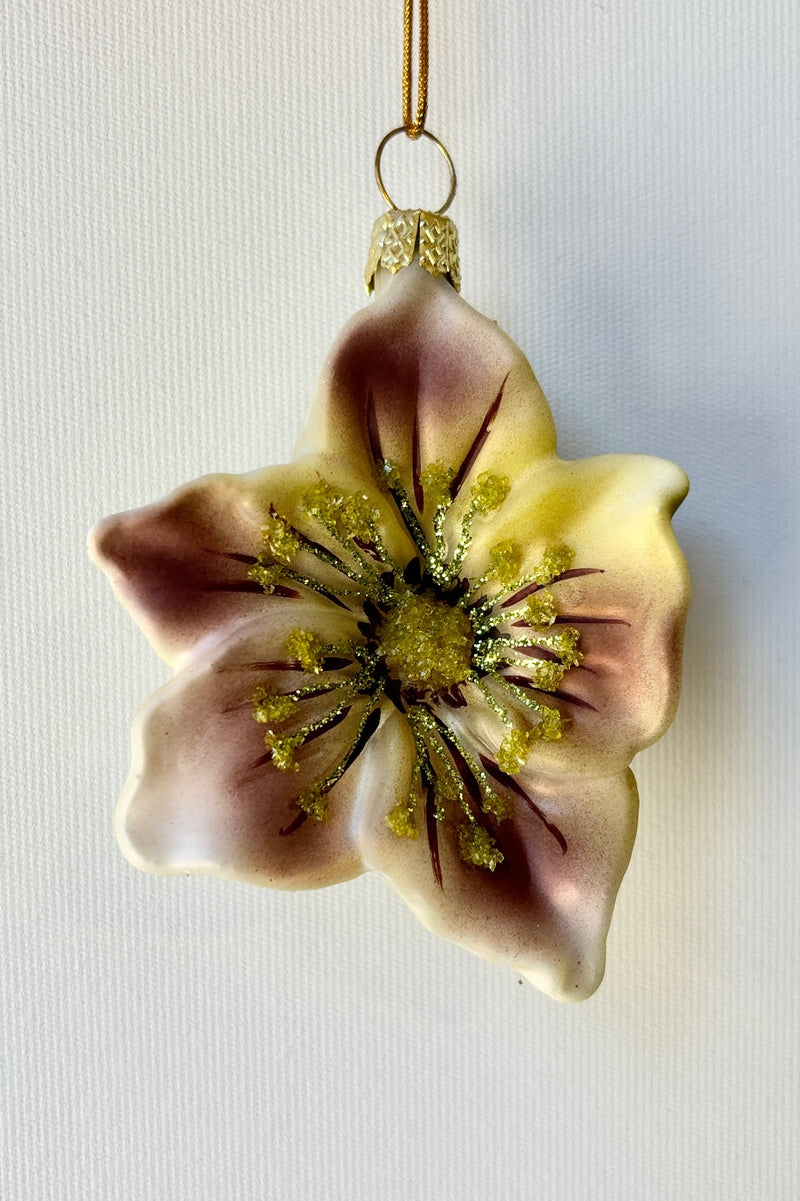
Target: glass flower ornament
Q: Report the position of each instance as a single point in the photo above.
(427, 647)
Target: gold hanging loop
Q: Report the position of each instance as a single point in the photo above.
(415, 126)
(445, 153)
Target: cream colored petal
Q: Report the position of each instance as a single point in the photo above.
(180, 566)
(420, 355)
(201, 798)
(614, 512)
(542, 912)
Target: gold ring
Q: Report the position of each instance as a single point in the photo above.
(445, 153)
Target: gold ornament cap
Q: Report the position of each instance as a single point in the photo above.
(401, 234)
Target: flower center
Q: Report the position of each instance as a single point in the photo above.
(426, 643)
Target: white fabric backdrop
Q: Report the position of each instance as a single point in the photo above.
(186, 204)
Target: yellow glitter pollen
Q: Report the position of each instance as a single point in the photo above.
(357, 518)
(427, 643)
(496, 804)
(554, 561)
(476, 846)
(489, 491)
(281, 542)
(551, 725)
(314, 802)
(266, 574)
(307, 648)
(565, 644)
(400, 821)
(546, 674)
(349, 516)
(270, 706)
(514, 750)
(323, 502)
(541, 609)
(283, 750)
(505, 562)
(436, 480)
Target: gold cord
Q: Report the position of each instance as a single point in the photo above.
(416, 127)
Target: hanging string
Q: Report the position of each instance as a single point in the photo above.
(415, 127)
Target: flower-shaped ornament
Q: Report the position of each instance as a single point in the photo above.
(428, 647)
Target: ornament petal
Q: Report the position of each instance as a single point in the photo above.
(204, 795)
(543, 912)
(626, 594)
(180, 566)
(420, 377)
(170, 563)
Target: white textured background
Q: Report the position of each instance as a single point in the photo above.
(186, 199)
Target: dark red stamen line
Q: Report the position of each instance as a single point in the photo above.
(571, 699)
(332, 663)
(295, 824)
(250, 586)
(331, 596)
(274, 665)
(538, 652)
(369, 548)
(525, 682)
(416, 535)
(432, 830)
(568, 620)
(419, 495)
(595, 621)
(229, 554)
(529, 589)
(310, 695)
(543, 652)
(574, 572)
(370, 726)
(311, 545)
(231, 586)
(496, 772)
(372, 430)
(523, 593)
(477, 444)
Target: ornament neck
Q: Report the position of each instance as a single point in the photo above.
(403, 235)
